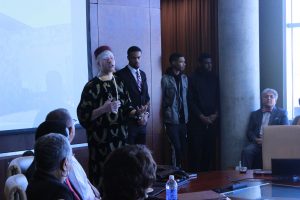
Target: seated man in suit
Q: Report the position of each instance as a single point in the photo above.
(53, 158)
(60, 121)
(269, 114)
(77, 175)
(44, 129)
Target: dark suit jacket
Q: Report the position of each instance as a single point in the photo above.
(278, 117)
(47, 187)
(138, 98)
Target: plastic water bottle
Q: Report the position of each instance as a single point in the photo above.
(171, 188)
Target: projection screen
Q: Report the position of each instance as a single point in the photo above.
(43, 59)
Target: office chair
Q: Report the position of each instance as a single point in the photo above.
(15, 187)
(19, 165)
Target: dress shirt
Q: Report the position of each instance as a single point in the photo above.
(80, 181)
(134, 71)
(265, 122)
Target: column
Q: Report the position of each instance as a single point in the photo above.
(239, 73)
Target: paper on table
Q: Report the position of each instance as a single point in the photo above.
(209, 194)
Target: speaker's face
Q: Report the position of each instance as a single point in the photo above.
(106, 62)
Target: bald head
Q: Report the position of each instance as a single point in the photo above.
(64, 116)
(60, 114)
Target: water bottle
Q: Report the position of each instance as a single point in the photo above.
(171, 188)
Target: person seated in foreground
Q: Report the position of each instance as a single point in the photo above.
(129, 172)
(267, 115)
(60, 121)
(53, 158)
(44, 129)
(77, 175)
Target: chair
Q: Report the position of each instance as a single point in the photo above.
(280, 142)
(19, 165)
(15, 187)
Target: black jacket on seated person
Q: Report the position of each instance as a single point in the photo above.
(47, 187)
(278, 117)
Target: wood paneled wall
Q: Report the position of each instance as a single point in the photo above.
(191, 28)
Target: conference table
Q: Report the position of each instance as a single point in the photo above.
(211, 185)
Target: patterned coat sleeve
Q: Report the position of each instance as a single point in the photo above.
(86, 106)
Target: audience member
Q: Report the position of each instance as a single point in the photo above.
(53, 161)
(267, 115)
(60, 121)
(129, 172)
(64, 116)
(44, 129)
(204, 112)
(135, 81)
(103, 110)
(174, 106)
(77, 175)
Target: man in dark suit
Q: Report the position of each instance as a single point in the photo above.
(136, 82)
(53, 160)
(60, 121)
(268, 115)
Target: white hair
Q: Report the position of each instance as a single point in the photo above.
(104, 54)
(267, 90)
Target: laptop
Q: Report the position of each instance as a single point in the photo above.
(286, 168)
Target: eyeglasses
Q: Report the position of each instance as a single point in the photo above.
(268, 96)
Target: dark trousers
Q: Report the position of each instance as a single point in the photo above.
(136, 134)
(252, 156)
(177, 136)
(202, 147)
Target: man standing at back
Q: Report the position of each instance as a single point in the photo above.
(136, 83)
(204, 113)
(174, 86)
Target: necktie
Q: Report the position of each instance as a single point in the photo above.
(139, 80)
(68, 183)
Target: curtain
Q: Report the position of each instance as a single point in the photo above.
(189, 27)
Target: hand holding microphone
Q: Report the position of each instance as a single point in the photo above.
(115, 105)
